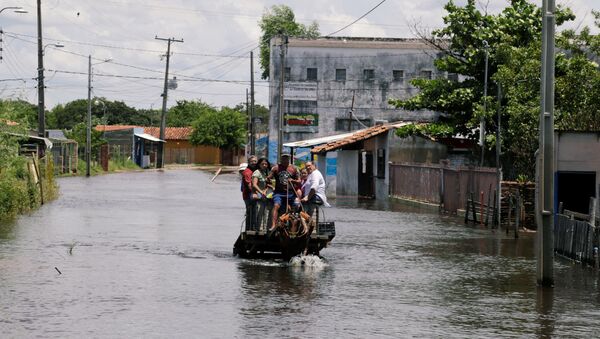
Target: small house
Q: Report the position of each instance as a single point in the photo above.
(577, 169)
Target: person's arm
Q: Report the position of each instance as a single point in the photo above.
(248, 179)
(256, 187)
(271, 174)
(295, 178)
(310, 183)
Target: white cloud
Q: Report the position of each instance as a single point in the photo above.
(208, 29)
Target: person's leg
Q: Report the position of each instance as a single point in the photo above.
(275, 212)
(249, 214)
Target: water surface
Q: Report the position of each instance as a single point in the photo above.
(148, 254)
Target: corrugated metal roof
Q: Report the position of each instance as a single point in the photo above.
(316, 141)
(147, 137)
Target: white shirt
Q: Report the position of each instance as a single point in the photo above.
(316, 181)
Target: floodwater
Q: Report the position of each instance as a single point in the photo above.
(148, 254)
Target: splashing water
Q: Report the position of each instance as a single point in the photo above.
(312, 261)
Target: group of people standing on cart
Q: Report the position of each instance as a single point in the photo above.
(268, 190)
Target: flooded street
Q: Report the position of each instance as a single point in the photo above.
(148, 254)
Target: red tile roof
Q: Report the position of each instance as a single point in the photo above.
(358, 136)
(171, 133)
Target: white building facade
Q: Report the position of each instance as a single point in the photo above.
(337, 85)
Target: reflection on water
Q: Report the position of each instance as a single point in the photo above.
(544, 302)
(151, 256)
(280, 298)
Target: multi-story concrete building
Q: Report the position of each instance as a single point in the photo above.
(335, 85)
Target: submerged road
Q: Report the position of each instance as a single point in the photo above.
(148, 254)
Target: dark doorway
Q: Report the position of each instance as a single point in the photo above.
(365, 175)
(574, 190)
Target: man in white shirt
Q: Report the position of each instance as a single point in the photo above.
(316, 183)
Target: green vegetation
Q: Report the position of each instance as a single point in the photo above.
(280, 19)
(19, 185)
(225, 128)
(428, 130)
(79, 134)
(104, 111)
(186, 112)
(117, 165)
(514, 40)
(20, 190)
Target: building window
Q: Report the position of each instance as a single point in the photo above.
(349, 124)
(453, 77)
(426, 75)
(288, 72)
(311, 74)
(398, 75)
(340, 74)
(369, 74)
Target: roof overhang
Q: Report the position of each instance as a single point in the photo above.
(360, 135)
(316, 141)
(147, 137)
(46, 141)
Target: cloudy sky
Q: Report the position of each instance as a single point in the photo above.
(212, 64)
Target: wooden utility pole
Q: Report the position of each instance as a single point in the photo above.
(545, 161)
(163, 116)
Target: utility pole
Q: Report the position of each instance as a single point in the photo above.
(249, 126)
(283, 46)
(252, 113)
(482, 122)
(163, 116)
(498, 151)
(545, 163)
(41, 103)
(88, 133)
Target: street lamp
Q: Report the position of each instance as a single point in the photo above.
(59, 45)
(88, 139)
(17, 9)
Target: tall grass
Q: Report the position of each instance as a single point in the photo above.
(19, 191)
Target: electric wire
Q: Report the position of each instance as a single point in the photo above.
(353, 22)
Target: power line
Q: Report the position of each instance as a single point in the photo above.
(353, 22)
(12, 34)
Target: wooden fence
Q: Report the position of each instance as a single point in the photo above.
(575, 239)
(576, 235)
(444, 185)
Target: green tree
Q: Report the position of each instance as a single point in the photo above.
(577, 105)
(280, 19)
(225, 128)
(19, 111)
(147, 117)
(186, 112)
(261, 115)
(70, 114)
(79, 134)
(103, 110)
(513, 37)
